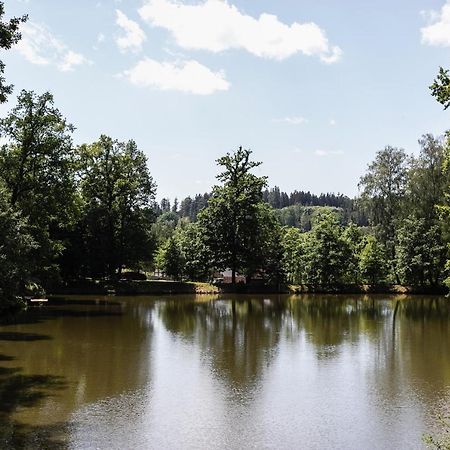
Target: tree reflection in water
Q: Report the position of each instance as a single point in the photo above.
(240, 334)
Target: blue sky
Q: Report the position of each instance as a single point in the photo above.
(313, 88)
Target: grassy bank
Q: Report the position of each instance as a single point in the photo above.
(153, 287)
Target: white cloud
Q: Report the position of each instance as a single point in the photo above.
(328, 152)
(134, 36)
(334, 56)
(437, 32)
(185, 76)
(217, 25)
(40, 47)
(333, 122)
(295, 120)
(70, 60)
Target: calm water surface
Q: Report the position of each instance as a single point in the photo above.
(241, 372)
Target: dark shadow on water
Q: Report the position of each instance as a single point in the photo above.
(18, 391)
(54, 313)
(40, 437)
(18, 336)
(60, 301)
(41, 314)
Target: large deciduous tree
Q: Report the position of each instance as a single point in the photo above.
(420, 253)
(37, 168)
(233, 220)
(383, 195)
(118, 193)
(426, 180)
(16, 247)
(444, 207)
(421, 248)
(440, 89)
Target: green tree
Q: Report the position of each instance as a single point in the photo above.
(196, 254)
(420, 252)
(165, 205)
(293, 260)
(37, 168)
(9, 35)
(372, 261)
(165, 226)
(355, 240)
(426, 179)
(444, 207)
(268, 253)
(327, 252)
(118, 192)
(169, 259)
(383, 195)
(440, 89)
(16, 247)
(303, 216)
(232, 218)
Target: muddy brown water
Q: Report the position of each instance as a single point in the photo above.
(225, 372)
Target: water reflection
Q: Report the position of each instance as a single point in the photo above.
(388, 356)
(239, 337)
(226, 371)
(242, 329)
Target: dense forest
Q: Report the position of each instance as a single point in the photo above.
(190, 207)
(71, 212)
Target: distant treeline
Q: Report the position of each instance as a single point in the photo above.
(278, 199)
(296, 208)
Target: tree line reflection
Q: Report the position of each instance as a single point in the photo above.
(241, 335)
(101, 350)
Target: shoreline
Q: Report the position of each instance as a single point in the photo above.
(177, 288)
(158, 287)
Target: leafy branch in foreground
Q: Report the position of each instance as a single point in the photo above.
(9, 35)
(440, 89)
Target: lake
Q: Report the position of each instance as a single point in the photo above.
(225, 372)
